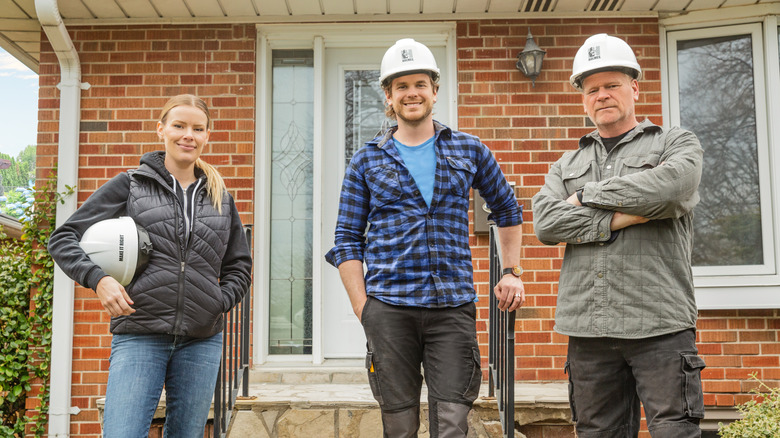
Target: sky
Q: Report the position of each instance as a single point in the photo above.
(18, 105)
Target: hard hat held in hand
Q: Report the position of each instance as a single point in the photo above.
(407, 56)
(119, 246)
(603, 52)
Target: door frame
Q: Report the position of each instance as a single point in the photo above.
(317, 37)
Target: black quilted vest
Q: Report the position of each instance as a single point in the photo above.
(178, 293)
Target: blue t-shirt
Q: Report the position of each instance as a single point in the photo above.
(421, 163)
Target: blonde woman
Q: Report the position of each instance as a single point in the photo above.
(167, 322)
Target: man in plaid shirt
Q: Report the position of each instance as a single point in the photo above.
(404, 212)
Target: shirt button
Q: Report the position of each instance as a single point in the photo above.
(601, 234)
(571, 174)
(620, 203)
(609, 167)
(416, 193)
(579, 240)
(600, 275)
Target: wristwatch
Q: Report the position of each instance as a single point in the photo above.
(516, 270)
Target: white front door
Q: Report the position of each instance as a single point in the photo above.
(354, 114)
(318, 101)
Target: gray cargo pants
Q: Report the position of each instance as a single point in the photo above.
(608, 377)
(444, 341)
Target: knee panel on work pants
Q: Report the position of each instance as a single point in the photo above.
(448, 420)
(401, 424)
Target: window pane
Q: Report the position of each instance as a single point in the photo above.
(365, 112)
(290, 325)
(717, 103)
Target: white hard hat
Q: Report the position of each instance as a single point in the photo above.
(119, 246)
(407, 56)
(603, 52)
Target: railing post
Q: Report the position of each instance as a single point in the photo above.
(501, 346)
(234, 366)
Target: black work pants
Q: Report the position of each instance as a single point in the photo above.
(444, 341)
(608, 377)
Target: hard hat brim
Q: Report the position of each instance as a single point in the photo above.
(576, 79)
(434, 74)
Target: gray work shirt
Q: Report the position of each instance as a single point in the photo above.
(640, 284)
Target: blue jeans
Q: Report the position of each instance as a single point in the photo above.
(141, 365)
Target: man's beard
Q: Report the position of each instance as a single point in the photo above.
(418, 120)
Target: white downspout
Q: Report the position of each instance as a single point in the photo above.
(70, 87)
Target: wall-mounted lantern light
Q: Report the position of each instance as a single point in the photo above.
(529, 61)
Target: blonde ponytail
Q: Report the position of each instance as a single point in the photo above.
(215, 185)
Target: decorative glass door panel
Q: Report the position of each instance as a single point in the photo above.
(290, 307)
(364, 109)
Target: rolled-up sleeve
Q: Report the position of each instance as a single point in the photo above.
(496, 191)
(352, 219)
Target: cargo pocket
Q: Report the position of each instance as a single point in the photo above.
(693, 398)
(567, 370)
(373, 379)
(472, 390)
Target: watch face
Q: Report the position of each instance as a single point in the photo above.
(515, 270)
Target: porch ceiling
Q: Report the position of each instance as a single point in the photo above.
(20, 31)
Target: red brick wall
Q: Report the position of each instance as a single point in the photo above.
(132, 72)
(528, 128)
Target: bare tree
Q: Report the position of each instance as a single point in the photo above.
(717, 103)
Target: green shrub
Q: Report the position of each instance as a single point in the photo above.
(759, 419)
(15, 332)
(26, 286)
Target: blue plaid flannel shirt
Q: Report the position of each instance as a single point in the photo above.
(416, 255)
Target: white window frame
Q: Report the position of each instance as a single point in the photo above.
(738, 287)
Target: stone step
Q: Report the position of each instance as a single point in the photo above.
(332, 372)
(332, 409)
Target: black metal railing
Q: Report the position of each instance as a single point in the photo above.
(234, 369)
(501, 346)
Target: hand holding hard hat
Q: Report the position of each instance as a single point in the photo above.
(119, 246)
(114, 297)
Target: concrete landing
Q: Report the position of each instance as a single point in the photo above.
(314, 402)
